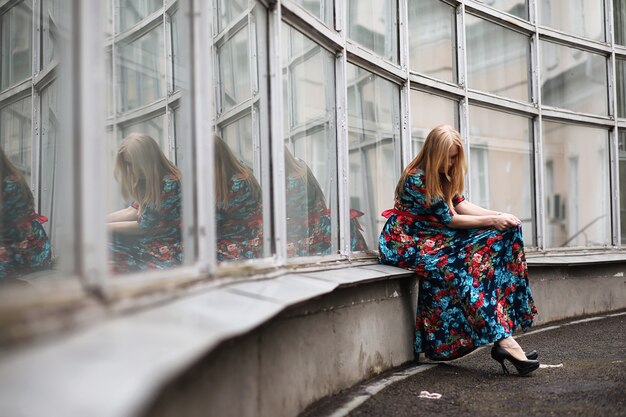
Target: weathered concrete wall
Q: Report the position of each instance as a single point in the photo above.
(330, 343)
(306, 353)
(561, 292)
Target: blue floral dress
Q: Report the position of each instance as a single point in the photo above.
(160, 246)
(240, 223)
(24, 244)
(473, 287)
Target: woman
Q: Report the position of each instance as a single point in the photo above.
(24, 244)
(239, 207)
(473, 279)
(308, 217)
(147, 234)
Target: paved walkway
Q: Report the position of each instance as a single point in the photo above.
(586, 376)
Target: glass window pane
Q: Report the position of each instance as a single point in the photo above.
(374, 129)
(374, 25)
(573, 79)
(133, 11)
(578, 17)
(620, 70)
(17, 38)
(310, 140)
(322, 9)
(51, 30)
(497, 59)
(229, 10)
(16, 135)
(234, 65)
(622, 184)
(501, 165)
(432, 39)
(619, 20)
(517, 8)
(576, 184)
(178, 70)
(427, 112)
(155, 127)
(142, 70)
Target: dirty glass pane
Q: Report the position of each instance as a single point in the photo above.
(234, 70)
(577, 17)
(142, 70)
(133, 11)
(576, 185)
(374, 133)
(432, 39)
(322, 9)
(501, 165)
(573, 79)
(374, 25)
(308, 73)
(427, 112)
(16, 49)
(497, 59)
(517, 8)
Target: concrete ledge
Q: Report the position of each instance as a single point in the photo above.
(258, 348)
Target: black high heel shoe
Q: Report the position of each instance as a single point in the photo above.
(499, 354)
(533, 355)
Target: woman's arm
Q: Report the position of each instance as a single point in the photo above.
(129, 228)
(465, 207)
(123, 215)
(499, 221)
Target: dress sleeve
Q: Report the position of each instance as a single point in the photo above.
(169, 211)
(457, 199)
(414, 188)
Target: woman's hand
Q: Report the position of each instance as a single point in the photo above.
(505, 221)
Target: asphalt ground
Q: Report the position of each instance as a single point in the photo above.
(585, 376)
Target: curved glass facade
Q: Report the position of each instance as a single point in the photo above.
(284, 127)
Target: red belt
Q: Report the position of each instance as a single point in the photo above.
(387, 213)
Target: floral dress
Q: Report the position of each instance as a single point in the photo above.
(473, 287)
(24, 245)
(308, 218)
(240, 224)
(160, 246)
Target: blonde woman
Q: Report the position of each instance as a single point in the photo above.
(473, 286)
(147, 234)
(24, 244)
(239, 209)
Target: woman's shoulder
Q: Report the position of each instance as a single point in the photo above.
(170, 182)
(416, 176)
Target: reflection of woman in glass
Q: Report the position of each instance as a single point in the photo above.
(474, 288)
(24, 245)
(146, 235)
(308, 218)
(239, 207)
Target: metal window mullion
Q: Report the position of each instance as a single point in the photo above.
(540, 206)
(35, 137)
(200, 88)
(168, 51)
(278, 175)
(614, 187)
(405, 91)
(461, 48)
(343, 156)
(88, 93)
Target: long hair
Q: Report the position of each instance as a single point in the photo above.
(433, 159)
(226, 167)
(140, 166)
(7, 169)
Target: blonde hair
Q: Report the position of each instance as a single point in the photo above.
(434, 158)
(140, 166)
(7, 169)
(226, 166)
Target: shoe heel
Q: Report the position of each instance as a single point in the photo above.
(504, 370)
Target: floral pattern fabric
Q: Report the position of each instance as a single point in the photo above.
(473, 287)
(24, 244)
(160, 246)
(240, 224)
